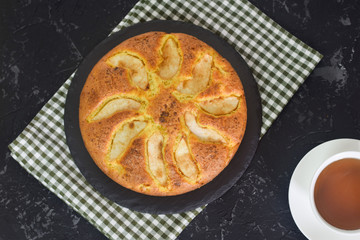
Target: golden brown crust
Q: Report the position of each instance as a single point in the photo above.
(163, 109)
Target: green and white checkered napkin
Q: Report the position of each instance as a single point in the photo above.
(280, 63)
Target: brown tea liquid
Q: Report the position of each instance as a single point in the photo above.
(337, 194)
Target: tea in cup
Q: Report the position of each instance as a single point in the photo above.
(335, 192)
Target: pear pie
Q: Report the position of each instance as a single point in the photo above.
(162, 114)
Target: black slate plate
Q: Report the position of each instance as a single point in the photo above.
(173, 204)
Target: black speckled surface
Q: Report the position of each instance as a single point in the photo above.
(42, 43)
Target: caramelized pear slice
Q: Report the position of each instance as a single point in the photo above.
(155, 154)
(114, 106)
(135, 67)
(203, 133)
(185, 162)
(171, 63)
(220, 106)
(123, 138)
(200, 77)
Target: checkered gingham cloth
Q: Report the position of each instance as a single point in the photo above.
(279, 62)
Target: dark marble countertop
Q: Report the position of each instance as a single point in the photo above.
(43, 42)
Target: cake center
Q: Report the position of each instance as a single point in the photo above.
(166, 109)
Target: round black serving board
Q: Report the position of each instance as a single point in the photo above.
(172, 204)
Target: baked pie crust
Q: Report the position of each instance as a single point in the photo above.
(162, 114)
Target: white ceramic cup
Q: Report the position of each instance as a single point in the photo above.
(334, 158)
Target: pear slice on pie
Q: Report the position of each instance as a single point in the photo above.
(123, 138)
(185, 162)
(113, 106)
(155, 157)
(171, 63)
(200, 77)
(220, 106)
(203, 133)
(134, 65)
